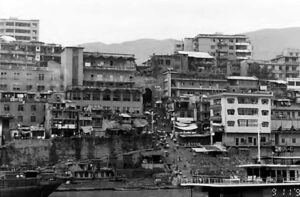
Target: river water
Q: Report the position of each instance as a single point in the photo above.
(141, 193)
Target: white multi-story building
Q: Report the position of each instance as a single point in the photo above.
(20, 29)
(236, 118)
(293, 84)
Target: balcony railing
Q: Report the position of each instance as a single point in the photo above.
(108, 67)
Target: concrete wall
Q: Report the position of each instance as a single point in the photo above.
(39, 152)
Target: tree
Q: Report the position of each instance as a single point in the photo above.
(260, 72)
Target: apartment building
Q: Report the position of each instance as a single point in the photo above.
(227, 49)
(181, 61)
(20, 29)
(176, 84)
(30, 66)
(283, 66)
(104, 80)
(236, 118)
(29, 73)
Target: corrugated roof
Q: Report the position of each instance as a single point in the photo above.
(242, 78)
(196, 54)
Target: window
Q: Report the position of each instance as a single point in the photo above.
(41, 77)
(230, 123)
(230, 111)
(20, 119)
(10, 23)
(76, 96)
(265, 101)
(106, 96)
(264, 112)
(250, 140)
(136, 96)
(33, 107)
(282, 140)
(16, 76)
(28, 87)
(230, 100)
(3, 87)
(248, 111)
(247, 123)
(40, 88)
(20, 107)
(297, 83)
(116, 96)
(294, 140)
(265, 124)
(6, 107)
(126, 96)
(247, 100)
(96, 96)
(86, 95)
(168, 62)
(217, 101)
(263, 139)
(231, 47)
(32, 119)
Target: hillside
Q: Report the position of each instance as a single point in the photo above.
(142, 48)
(267, 43)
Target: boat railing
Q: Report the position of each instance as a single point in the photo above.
(236, 180)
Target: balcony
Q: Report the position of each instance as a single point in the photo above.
(243, 51)
(108, 67)
(242, 44)
(92, 88)
(216, 118)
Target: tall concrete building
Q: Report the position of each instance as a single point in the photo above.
(283, 66)
(236, 118)
(103, 80)
(227, 49)
(20, 29)
(29, 73)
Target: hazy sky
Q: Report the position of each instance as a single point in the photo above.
(71, 22)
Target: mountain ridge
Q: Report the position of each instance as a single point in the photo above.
(267, 43)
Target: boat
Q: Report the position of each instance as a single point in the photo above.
(268, 176)
(85, 171)
(29, 183)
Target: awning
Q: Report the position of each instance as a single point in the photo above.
(140, 122)
(188, 128)
(181, 124)
(183, 119)
(87, 129)
(199, 150)
(125, 115)
(125, 127)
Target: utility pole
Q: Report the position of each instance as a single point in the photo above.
(152, 121)
(258, 143)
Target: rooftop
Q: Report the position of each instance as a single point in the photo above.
(108, 55)
(218, 35)
(252, 94)
(196, 54)
(243, 78)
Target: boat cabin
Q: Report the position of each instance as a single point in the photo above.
(272, 173)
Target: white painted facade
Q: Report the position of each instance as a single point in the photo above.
(242, 113)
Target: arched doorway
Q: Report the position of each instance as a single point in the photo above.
(147, 99)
